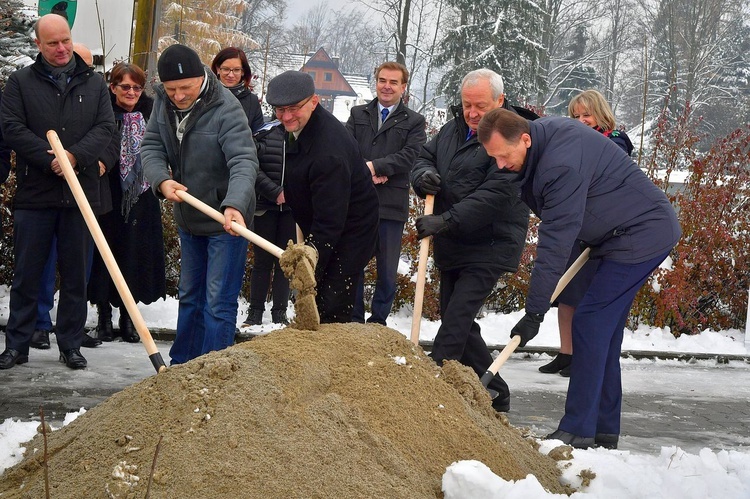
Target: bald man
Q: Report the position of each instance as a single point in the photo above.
(61, 92)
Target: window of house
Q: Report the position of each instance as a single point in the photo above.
(312, 73)
(328, 76)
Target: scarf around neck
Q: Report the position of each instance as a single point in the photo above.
(132, 181)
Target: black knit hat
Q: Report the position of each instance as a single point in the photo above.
(290, 87)
(178, 62)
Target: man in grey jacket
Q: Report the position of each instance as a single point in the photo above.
(390, 136)
(584, 187)
(198, 140)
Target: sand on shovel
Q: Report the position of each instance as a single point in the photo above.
(298, 264)
(351, 410)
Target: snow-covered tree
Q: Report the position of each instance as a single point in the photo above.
(505, 36)
(16, 37)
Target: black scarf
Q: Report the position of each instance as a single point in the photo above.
(61, 75)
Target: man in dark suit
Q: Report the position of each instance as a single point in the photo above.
(389, 136)
(329, 189)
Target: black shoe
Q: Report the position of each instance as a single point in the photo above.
(40, 339)
(254, 317)
(10, 358)
(565, 372)
(501, 404)
(560, 362)
(573, 440)
(90, 342)
(278, 317)
(607, 440)
(127, 329)
(73, 359)
(104, 325)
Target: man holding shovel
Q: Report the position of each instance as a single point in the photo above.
(584, 187)
(198, 140)
(61, 92)
(479, 225)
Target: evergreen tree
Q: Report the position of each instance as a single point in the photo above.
(504, 36)
(581, 74)
(16, 38)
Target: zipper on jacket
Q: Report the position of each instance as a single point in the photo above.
(283, 169)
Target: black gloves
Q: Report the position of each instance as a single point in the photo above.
(429, 182)
(527, 327)
(430, 225)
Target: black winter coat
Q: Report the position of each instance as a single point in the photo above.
(4, 154)
(329, 189)
(271, 147)
(584, 187)
(487, 222)
(251, 105)
(81, 116)
(392, 149)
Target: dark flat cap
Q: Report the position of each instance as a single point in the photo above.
(290, 87)
(178, 62)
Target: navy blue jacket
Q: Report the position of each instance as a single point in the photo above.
(583, 186)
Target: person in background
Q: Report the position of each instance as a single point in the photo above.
(330, 191)
(582, 186)
(390, 136)
(231, 67)
(274, 222)
(479, 225)
(590, 108)
(133, 228)
(198, 140)
(59, 91)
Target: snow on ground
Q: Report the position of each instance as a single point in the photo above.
(673, 473)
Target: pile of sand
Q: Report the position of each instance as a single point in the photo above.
(346, 411)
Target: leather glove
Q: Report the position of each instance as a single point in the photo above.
(429, 225)
(429, 182)
(527, 327)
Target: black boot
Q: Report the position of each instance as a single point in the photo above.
(279, 317)
(104, 326)
(254, 317)
(127, 329)
(560, 362)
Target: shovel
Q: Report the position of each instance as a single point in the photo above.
(296, 261)
(516, 340)
(106, 252)
(424, 252)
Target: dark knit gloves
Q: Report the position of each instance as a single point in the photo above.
(429, 225)
(429, 182)
(527, 327)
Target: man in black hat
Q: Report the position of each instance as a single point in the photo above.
(198, 140)
(329, 189)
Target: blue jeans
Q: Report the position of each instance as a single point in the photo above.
(386, 262)
(211, 274)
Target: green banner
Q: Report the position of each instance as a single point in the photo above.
(66, 8)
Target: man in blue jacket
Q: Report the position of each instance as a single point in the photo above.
(479, 225)
(390, 136)
(198, 140)
(584, 187)
(59, 91)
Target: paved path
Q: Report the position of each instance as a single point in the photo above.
(667, 402)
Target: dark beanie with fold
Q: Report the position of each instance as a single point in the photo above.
(178, 62)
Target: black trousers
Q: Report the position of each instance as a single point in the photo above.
(33, 231)
(462, 294)
(278, 227)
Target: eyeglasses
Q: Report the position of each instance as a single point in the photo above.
(226, 71)
(280, 111)
(127, 88)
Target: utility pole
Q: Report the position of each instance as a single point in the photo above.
(147, 14)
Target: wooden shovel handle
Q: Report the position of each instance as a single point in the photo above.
(105, 251)
(239, 229)
(424, 253)
(516, 340)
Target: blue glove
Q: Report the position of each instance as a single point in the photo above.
(429, 182)
(527, 328)
(430, 225)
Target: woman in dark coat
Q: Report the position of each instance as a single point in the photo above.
(133, 228)
(231, 67)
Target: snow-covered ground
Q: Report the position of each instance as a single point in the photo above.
(672, 473)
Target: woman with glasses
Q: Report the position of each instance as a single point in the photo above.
(231, 67)
(133, 228)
